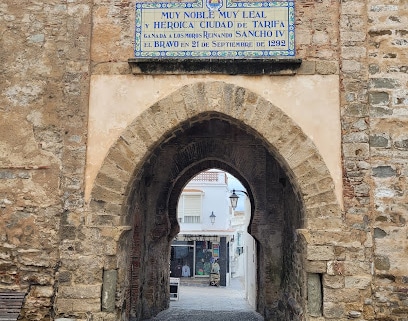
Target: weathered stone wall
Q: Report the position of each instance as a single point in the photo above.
(374, 108)
(64, 253)
(44, 79)
(387, 98)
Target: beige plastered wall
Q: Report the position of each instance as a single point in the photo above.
(312, 101)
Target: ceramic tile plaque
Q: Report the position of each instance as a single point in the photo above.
(215, 29)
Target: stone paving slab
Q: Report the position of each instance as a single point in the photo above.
(176, 314)
(200, 303)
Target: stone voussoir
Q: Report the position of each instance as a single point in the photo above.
(120, 158)
(135, 142)
(301, 150)
(193, 99)
(236, 108)
(261, 108)
(173, 115)
(101, 193)
(247, 99)
(214, 96)
(327, 197)
(148, 128)
(109, 181)
(110, 170)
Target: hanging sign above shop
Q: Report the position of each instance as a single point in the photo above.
(212, 29)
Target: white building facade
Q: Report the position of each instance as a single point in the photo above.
(204, 214)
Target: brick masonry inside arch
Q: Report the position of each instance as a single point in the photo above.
(213, 125)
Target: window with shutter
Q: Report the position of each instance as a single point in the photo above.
(189, 209)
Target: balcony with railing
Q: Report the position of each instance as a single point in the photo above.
(210, 177)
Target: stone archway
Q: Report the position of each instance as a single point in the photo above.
(141, 185)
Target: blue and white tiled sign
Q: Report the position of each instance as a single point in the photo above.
(214, 29)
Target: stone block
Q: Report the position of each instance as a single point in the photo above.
(333, 281)
(304, 37)
(356, 150)
(352, 8)
(80, 291)
(108, 290)
(353, 52)
(357, 267)
(354, 314)
(345, 295)
(87, 305)
(352, 36)
(356, 109)
(340, 253)
(42, 291)
(110, 169)
(351, 66)
(380, 141)
(135, 143)
(327, 223)
(64, 306)
(384, 171)
(335, 268)
(214, 96)
(110, 246)
(381, 98)
(358, 281)
(356, 137)
(314, 294)
(103, 194)
(104, 220)
(381, 111)
(333, 310)
(122, 156)
(320, 253)
(321, 198)
(327, 68)
(112, 182)
(401, 144)
(104, 316)
(315, 266)
(382, 262)
(384, 83)
(339, 239)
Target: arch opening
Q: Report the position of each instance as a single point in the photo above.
(278, 165)
(212, 230)
(216, 142)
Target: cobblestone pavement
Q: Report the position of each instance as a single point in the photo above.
(208, 303)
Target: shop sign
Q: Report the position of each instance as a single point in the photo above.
(216, 250)
(214, 29)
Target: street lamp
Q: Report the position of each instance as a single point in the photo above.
(212, 218)
(234, 198)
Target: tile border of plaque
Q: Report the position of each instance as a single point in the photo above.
(155, 37)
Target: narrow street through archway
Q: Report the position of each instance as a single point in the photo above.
(208, 303)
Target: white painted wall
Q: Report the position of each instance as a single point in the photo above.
(215, 199)
(116, 100)
(246, 267)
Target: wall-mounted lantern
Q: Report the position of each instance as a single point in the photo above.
(212, 218)
(234, 198)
